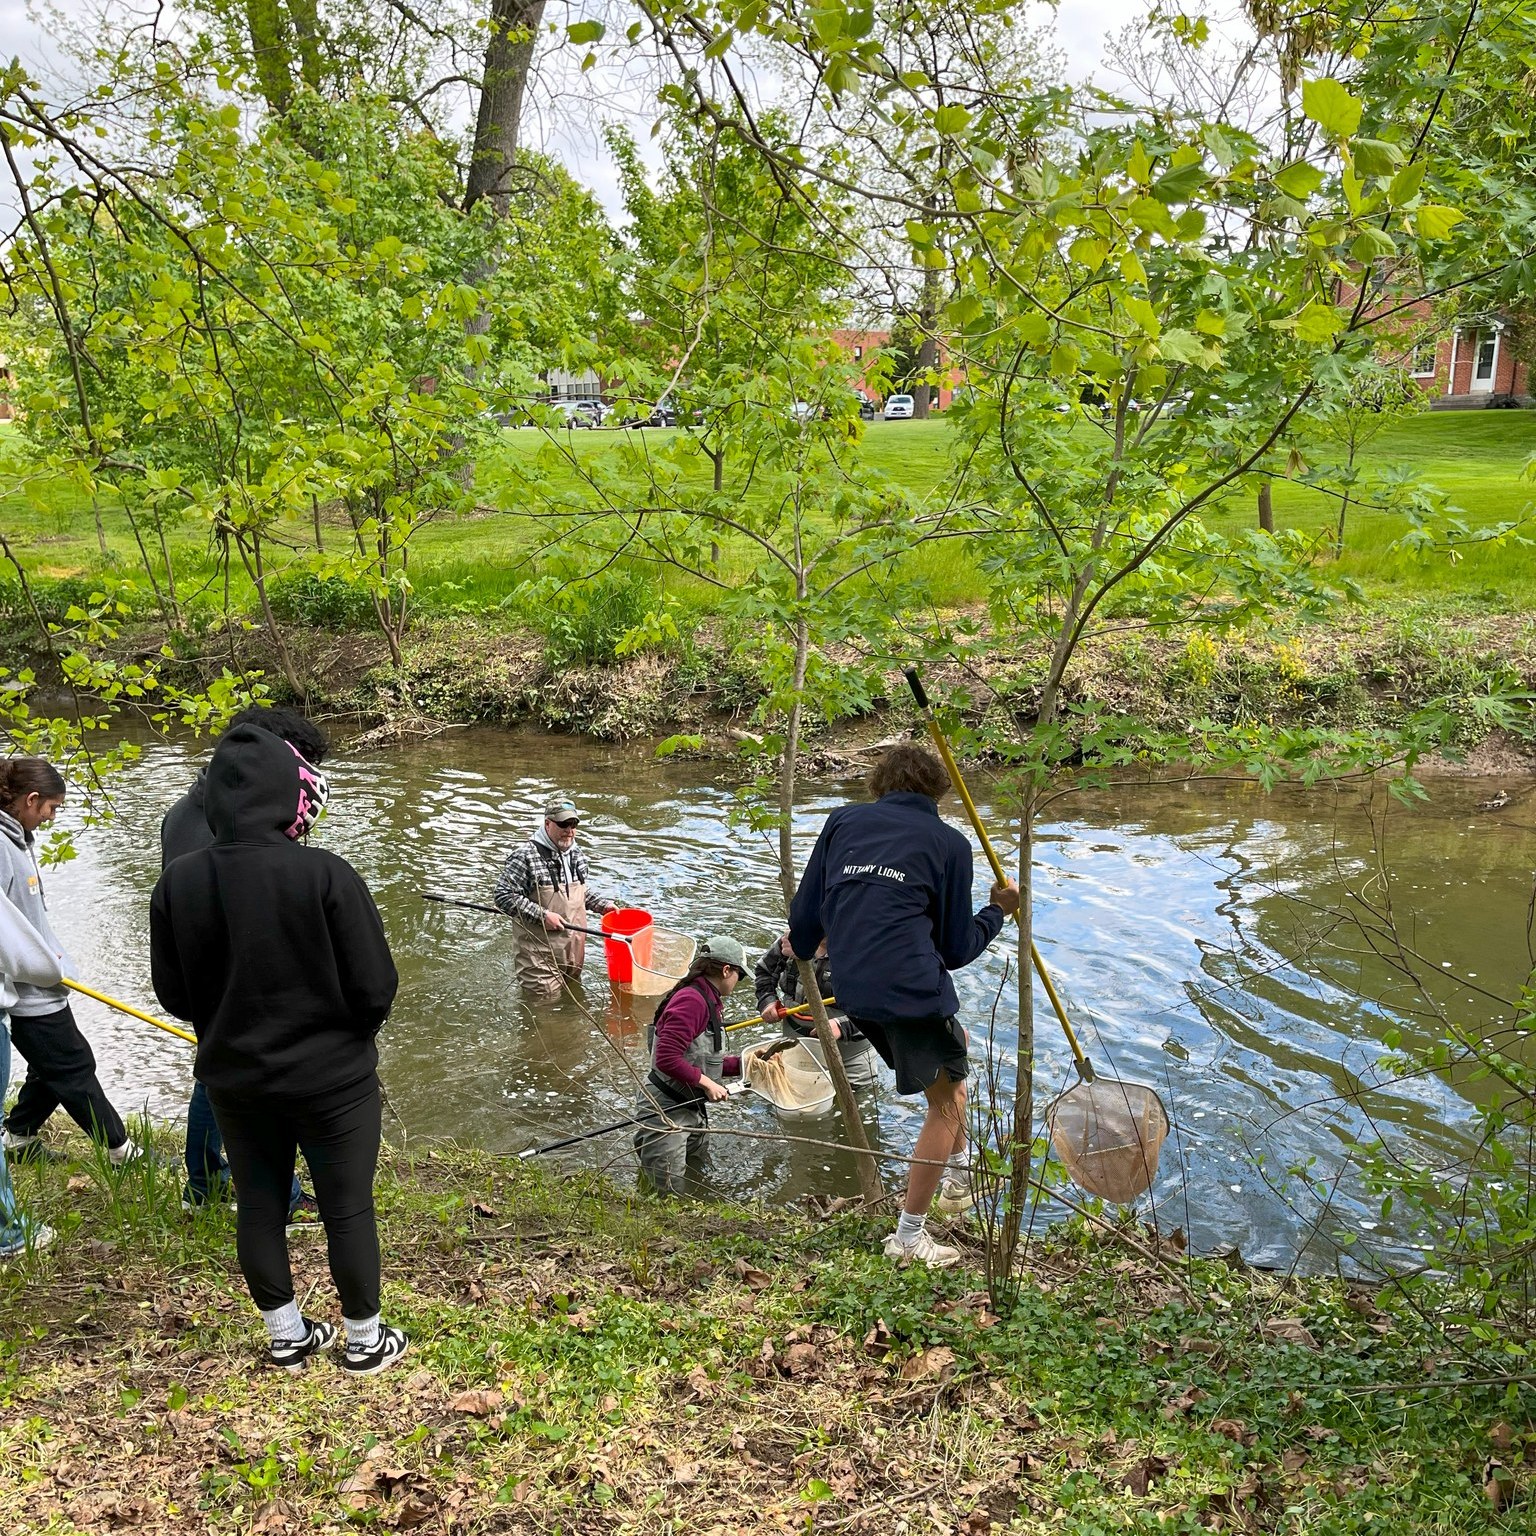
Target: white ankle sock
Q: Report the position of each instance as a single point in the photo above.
(362, 1332)
(120, 1155)
(909, 1228)
(285, 1323)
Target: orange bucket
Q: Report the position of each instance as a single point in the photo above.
(635, 924)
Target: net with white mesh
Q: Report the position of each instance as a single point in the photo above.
(1109, 1134)
(660, 963)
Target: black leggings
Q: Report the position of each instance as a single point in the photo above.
(339, 1134)
(61, 1070)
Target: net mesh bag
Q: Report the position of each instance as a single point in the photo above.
(670, 955)
(1109, 1134)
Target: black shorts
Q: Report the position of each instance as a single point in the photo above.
(917, 1050)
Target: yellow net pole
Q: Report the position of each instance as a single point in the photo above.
(132, 1012)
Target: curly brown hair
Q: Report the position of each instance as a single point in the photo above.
(909, 769)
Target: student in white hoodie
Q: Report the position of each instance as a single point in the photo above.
(27, 958)
(61, 1068)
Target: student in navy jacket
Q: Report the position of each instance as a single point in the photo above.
(889, 887)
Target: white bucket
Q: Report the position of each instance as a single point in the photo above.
(801, 1091)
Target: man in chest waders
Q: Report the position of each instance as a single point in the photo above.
(544, 886)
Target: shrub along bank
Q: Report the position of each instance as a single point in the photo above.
(584, 1362)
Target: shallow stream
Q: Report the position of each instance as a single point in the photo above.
(1189, 929)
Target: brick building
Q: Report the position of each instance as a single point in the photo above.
(864, 346)
(1463, 367)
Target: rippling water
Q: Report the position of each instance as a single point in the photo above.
(1188, 928)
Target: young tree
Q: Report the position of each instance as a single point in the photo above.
(1181, 273)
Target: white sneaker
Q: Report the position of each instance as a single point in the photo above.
(37, 1238)
(955, 1197)
(921, 1250)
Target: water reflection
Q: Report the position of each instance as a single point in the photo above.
(1189, 930)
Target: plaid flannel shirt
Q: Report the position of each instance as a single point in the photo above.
(531, 865)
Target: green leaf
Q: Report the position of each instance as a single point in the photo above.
(1405, 185)
(950, 120)
(585, 31)
(1375, 157)
(1330, 106)
(1178, 185)
(1033, 330)
(1298, 180)
(1139, 165)
(1088, 251)
(1185, 347)
(1142, 314)
(1316, 323)
(1064, 360)
(1373, 244)
(1435, 221)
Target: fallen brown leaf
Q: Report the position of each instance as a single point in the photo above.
(937, 1362)
(756, 1279)
(1289, 1330)
(481, 1209)
(1498, 1484)
(1502, 1436)
(801, 1360)
(479, 1401)
(277, 1517)
(1233, 1429)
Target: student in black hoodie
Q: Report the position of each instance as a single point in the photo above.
(275, 953)
(185, 829)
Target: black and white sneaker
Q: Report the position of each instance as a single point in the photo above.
(294, 1354)
(370, 1359)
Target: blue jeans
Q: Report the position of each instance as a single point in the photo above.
(13, 1229)
(207, 1170)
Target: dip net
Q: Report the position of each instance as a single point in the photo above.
(1109, 1134)
(789, 1079)
(662, 958)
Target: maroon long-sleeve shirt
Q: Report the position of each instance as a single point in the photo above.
(682, 1021)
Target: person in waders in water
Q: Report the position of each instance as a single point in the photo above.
(686, 1039)
(544, 886)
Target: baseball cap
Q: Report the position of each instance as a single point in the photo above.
(561, 808)
(726, 951)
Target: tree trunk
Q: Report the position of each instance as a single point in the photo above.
(269, 52)
(101, 532)
(314, 506)
(308, 33)
(928, 325)
(1266, 508)
(1021, 1139)
(870, 1186)
(257, 572)
(509, 49)
(1338, 538)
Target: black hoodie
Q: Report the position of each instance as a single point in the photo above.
(274, 951)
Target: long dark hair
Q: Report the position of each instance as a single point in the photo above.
(712, 970)
(23, 776)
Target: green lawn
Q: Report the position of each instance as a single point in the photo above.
(1477, 458)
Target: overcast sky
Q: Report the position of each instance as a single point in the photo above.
(569, 126)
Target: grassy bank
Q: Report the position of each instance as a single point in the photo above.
(587, 1362)
(478, 562)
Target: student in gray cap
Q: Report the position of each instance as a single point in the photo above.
(686, 1040)
(544, 886)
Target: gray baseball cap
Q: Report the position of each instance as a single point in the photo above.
(726, 951)
(561, 808)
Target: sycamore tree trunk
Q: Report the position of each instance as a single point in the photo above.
(510, 42)
(1266, 508)
(870, 1186)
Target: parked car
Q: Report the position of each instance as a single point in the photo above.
(899, 408)
(580, 413)
(663, 415)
